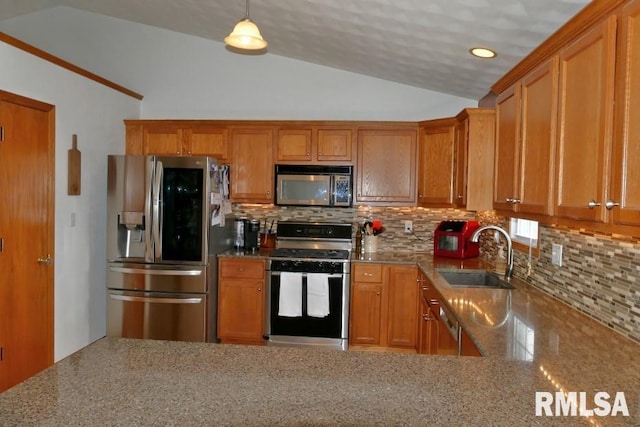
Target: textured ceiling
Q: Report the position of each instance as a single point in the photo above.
(421, 43)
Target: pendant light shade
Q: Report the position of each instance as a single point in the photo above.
(246, 35)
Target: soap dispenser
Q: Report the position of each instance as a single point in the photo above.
(501, 261)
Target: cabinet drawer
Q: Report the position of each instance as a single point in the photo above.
(371, 273)
(241, 268)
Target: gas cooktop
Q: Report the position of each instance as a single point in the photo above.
(310, 253)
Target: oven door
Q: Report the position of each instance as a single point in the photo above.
(331, 330)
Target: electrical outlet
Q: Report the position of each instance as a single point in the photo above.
(556, 254)
(408, 227)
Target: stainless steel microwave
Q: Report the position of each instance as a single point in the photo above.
(300, 185)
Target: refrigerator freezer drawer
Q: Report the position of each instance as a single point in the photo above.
(157, 278)
(148, 315)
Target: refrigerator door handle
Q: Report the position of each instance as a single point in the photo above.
(148, 252)
(157, 300)
(157, 210)
(156, 272)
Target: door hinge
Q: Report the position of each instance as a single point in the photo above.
(1, 354)
(1, 244)
(1, 133)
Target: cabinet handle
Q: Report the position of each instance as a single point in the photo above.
(308, 154)
(434, 302)
(611, 204)
(378, 293)
(259, 289)
(420, 195)
(508, 200)
(460, 196)
(367, 274)
(593, 204)
(515, 201)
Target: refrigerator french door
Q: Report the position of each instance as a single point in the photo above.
(165, 226)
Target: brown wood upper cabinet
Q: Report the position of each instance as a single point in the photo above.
(585, 124)
(387, 165)
(525, 146)
(475, 140)
(456, 160)
(624, 197)
(252, 164)
(436, 163)
(177, 138)
(312, 144)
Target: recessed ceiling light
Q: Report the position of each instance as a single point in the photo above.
(482, 52)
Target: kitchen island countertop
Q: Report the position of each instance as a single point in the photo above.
(532, 343)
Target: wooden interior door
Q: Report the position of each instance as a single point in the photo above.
(26, 230)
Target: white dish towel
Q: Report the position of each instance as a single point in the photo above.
(290, 303)
(317, 295)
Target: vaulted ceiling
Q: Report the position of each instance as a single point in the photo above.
(421, 43)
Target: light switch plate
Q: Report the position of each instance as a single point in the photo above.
(556, 254)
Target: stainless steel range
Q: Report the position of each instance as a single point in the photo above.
(308, 285)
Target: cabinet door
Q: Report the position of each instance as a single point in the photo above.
(387, 167)
(481, 125)
(294, 145)
(204, 140)
(626, 150)
(162, 139)
(403, 307)
(241, 300)
(505, 187)
(428, 331)
(436, 167)
(537, 154)
(240, 309)
(366, 313)
(335, 145)
(252, 165)
(585, 123)
(461, 132)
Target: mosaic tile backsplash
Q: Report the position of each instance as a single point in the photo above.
(600, 275)
(393, 237)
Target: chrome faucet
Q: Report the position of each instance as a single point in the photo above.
(508, 273)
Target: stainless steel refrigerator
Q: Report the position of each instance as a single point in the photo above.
(167, 219)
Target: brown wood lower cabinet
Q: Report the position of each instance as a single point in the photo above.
(384, 302)
(241, 301)
(433, 335)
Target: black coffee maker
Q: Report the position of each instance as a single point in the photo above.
(251, 235)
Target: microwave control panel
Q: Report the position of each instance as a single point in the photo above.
(342, 190)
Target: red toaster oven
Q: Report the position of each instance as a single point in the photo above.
(452, 239)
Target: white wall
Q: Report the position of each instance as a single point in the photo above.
(183, 76)
(94, 113)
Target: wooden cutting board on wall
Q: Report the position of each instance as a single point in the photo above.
(73, 186)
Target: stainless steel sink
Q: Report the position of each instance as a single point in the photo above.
(474, 279)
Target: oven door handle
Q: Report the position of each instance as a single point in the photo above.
(330, 276)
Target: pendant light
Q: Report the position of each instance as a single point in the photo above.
(246, 35)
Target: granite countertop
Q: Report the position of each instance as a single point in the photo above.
(532, 343)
